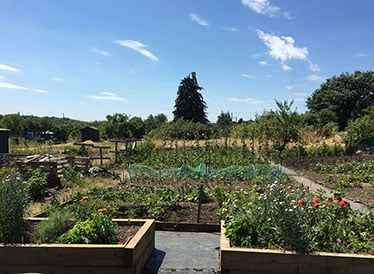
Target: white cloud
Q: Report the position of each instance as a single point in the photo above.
(291, 87)
(39, 90)
(263, 63)
(230, 29)
(58, 79)
(315, 78)
(245, 75)
(264, 7)
(252, 101)
(7, 85)
(283, 48)
(9, 68)
(101, 52)
(137, 46)
(197, 19)
(360, 55)
(107, 96)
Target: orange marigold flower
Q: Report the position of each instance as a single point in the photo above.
(326, 203)
(102, 210)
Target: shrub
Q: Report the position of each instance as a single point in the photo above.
(13, 200)
(37, 184)
(98, 229)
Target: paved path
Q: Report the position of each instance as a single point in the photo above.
(184, 252)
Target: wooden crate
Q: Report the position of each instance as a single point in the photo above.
(235, 260)
(82, 258)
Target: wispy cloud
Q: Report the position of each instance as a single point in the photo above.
(291, 87)
(264, 7)
(360, 55)
(197, 19)
(251, 101)
(232, 29)
(58, 79)
(300, 94)
(9, 68)
(7, 85)
(283, 48)
(101, 52)
(315, 78)
(137, 46)
(246, 75)
(106, 96)
(263, 63)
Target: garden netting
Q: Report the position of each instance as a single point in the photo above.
(202, 170)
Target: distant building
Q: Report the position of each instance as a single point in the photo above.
(4, 140)
(90, 133)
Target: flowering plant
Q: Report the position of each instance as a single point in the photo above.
(13, 201)
(276, 214)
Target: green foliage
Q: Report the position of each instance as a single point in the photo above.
(224, 123)
(71, 177)
(37, 184)
(182, 130)
(189, 104)
(13, 201)
(58, 222)
(98, 229)
(275, 214)
(347, 174)
(343, 98)
(361, 130)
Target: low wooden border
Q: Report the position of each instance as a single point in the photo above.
(82, 258)
(235, 260)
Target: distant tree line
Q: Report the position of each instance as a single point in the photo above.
(343, 103)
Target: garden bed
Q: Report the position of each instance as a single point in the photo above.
(248, 260)
(129, 257)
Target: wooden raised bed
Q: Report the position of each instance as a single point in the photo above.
(130, 257)
(236, 260)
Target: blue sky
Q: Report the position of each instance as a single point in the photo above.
(86, 59)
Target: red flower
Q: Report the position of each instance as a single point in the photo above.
(317, 200)
(337, 198)
(302, 202)
(315, 205)
(342, 203)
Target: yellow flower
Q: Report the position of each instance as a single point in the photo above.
(102, 210)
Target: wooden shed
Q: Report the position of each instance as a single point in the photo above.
(4, 143)
(90, 133)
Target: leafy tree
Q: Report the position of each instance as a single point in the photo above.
(360, 130)
(153, 122)
(189, 104)
(118, 126)
(225, 123)
(285, 127)
(343, 97)
(137, 127)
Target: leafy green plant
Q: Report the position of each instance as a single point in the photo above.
(13, 201)
(58, 222)
(37, 184)
(98, 229)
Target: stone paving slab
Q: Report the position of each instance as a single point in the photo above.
(184, 252)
